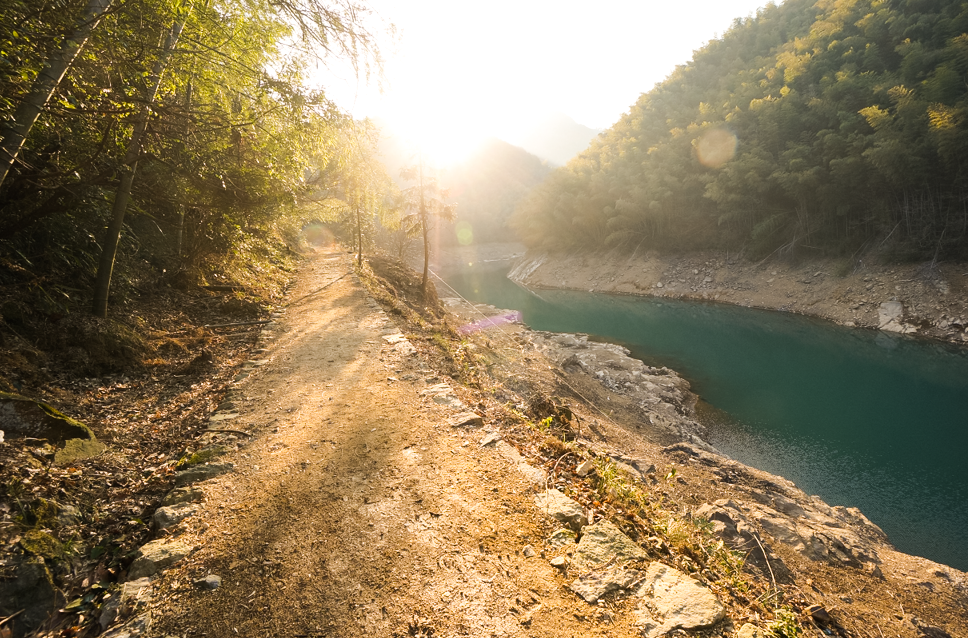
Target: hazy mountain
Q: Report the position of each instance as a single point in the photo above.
(557, 138)
(487, 186)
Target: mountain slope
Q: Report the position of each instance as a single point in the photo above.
(811, 127)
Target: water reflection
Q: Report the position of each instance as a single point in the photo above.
(862, 418)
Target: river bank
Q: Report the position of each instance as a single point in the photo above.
(928, 299)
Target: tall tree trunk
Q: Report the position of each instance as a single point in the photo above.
(129, 167)
(46, 83)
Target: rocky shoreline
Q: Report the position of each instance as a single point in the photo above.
(927, 299)
(784, 531)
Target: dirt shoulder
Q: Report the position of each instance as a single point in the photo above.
(933, 297)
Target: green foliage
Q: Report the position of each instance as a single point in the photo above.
(785, 624)
(808, 127)
(224, 173)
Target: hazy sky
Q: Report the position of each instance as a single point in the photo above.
(461, 71)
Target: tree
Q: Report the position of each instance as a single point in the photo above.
(358, 190)
(425, 205)
(129, 166)
(46, 82)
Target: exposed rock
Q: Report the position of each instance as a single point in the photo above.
(442, 394)
(490, 438)
(805, 523)
(672, 600)
(130, 599)
(558, 506)
(68, 515)
(76, 450)
(528, 551)
(23, 417)
(603, 543)
(183, 495)
(591, 586)
(209, 582)
(201, 473)
(751, 631)
(739, 534)
(562, 538)
(171, 515)
(31, 591)
(136, 627)
(890, 317)
(155, 556)
(585, 468)
(466, 420)
(204, 455)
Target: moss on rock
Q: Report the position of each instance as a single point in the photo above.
(21, 416)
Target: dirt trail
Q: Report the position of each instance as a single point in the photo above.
(356, 509)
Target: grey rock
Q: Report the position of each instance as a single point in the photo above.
(591, 586)
(603, 543)
(466, 420)
(155, 556)
(562, 538)
(68, 515)
(672, 600)
(528, 551)
(32, 591)
(201, 473)
(560, 507)
(559, 562)
(183, 495)
(209, 582)
(172, 515)
(490, 438)
(132, 598)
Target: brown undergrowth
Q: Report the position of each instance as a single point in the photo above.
(145, 381)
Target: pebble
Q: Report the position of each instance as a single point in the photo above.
(528, 551)
(209, 582)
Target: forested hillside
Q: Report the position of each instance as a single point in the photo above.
(181, 131)
(815, 127)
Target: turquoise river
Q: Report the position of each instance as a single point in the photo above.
(862, 418)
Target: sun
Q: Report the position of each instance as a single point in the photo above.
(443, 139)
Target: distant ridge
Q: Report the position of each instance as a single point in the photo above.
(557, 138)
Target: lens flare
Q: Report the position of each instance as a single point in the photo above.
(715, 147)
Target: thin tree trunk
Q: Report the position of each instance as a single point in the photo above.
(129, 167)
(423, 228)
(359, 237)
(46, 83)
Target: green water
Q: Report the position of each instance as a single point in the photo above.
(862, 418)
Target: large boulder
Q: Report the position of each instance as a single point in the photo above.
(23, 417)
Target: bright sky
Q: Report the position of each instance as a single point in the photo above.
(462, 71)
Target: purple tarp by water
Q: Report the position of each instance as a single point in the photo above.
(490, 322)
